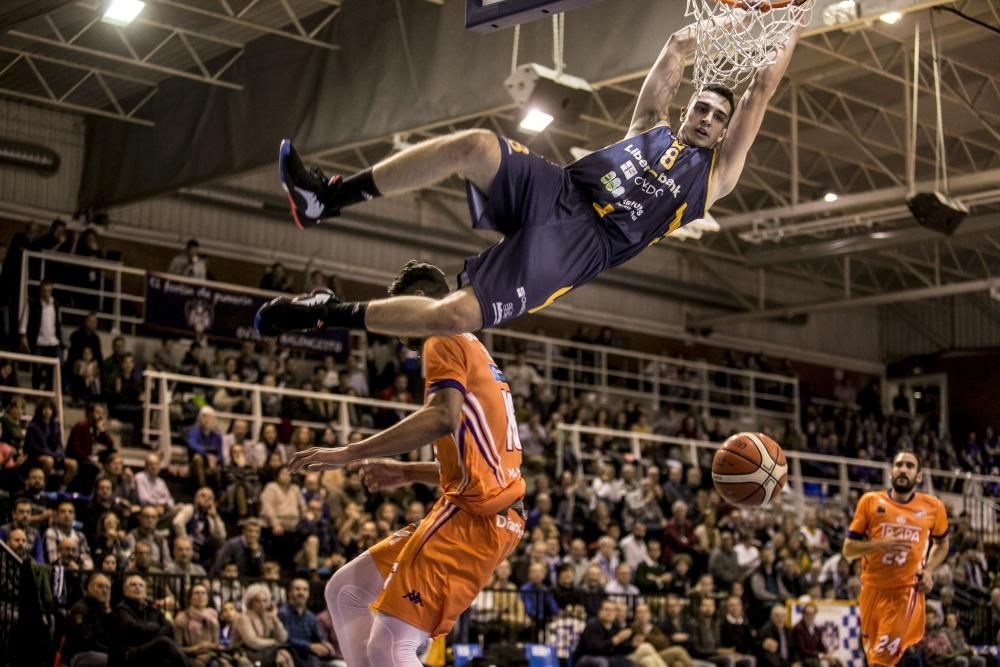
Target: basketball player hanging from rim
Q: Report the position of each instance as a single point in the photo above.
(562, 226)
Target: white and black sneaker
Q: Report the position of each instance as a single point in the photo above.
(307, 189)
(302, 313)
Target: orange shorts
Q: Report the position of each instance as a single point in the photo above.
(443, 564)
(892, 620)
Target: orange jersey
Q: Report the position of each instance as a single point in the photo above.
(481, 461)
(878, 517)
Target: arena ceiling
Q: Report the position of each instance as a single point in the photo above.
(838, 124)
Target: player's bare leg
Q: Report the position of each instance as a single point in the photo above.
(471, 154)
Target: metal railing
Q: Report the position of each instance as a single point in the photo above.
(653, 380)
(26, 360)
(809, 473)
(116, 299)
(165, 391)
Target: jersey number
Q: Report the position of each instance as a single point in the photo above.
(513, 439)
(898, 559)
(885, 645)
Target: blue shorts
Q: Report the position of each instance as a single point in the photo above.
(553, 239)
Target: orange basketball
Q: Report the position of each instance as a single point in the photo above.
(749, 469)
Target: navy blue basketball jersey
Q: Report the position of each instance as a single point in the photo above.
(645, 187)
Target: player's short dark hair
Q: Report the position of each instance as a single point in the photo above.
(725, 91)
(420, 276)
(907, 451)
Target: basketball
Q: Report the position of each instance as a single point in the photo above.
(749, 470)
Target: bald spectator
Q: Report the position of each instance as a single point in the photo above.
(151, 490)
(141, 634)
(146, 533)
(62, 529)
(622, 584)
(71, 556)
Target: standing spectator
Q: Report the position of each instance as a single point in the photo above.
(41, 333)
(88, 277)
(141, 634)
(61, 529)
(204, 444)
(196, 630)
(82, 439)
(189, 263)
(259, 630)
(603, 642)
(151, 490)
(304, 637)
(85, 378)
(125, 395)
(201, 523)
(807, 641)
(111, 367)
(84, 337)
(276, 279)
(57, 238)
(775, 645)
(243, 551)
(88, 626)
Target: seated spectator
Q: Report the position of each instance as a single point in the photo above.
(196, 630)
(12, 435)
(62, 529)
(775, 646)
(88, 626)
(956, 637)
(244, 552)
(227, 589)
(194, 362)
(603, 642)
(200, 521)
(675, 622)
(243, 487)
(539, 603)
(268, 446)
(304, 638)
(497, 612)
(766, 587)
(808, 645)
(141, 634)
(109, 538)
(71, 556)
(204, 447)
(102, 502)
(122, 479)
(83, 438)
(239, 434)
(621, 586)
(276, 279)
(259, 632)
(678, 536)
(606, 557)
(151, 490)
(282, 508)
(723, 564)
(85, 337)
(647, 632)
(43, 442)
(183, 560)
(633, 546)
(735, 632)
(230, 399)
(112, 365)
(17, 540)
(21, 520)
(652, 576)
(227, 618)
(704, 638)
(165, 359)
(565, 591)
(643, 506)
(34, 492)
(146, 533)
(85, 378)
(189, 263)
(592, 589)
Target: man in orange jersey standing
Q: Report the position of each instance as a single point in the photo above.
(414, 585)
(890, 532)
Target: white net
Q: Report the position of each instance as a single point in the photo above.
(736, 37)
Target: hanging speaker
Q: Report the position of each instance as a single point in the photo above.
(937, 212)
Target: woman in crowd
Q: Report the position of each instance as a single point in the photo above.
(196, 630)
(111, 540)
(259, 632)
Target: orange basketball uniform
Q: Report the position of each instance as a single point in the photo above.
(435, 569)
(892, 609)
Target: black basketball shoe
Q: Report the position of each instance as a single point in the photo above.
(307, 189)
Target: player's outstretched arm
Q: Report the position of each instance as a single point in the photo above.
(439, 416)
(747, 120)
(664, 78)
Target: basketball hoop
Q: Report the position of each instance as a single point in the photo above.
(737, 37)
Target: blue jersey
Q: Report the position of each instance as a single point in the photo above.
(645, 187)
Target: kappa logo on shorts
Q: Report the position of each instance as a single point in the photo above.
(414, 597)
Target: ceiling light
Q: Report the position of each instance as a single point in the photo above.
(122, 12)
(535, 120)
(830, 197)
(560, 96)
(892, 18)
